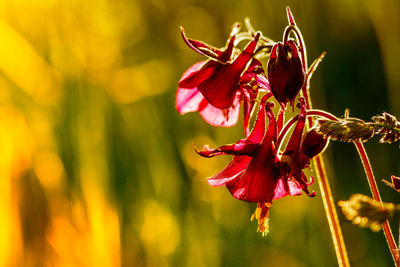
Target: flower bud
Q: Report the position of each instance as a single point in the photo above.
(313, 144)
(285, 72)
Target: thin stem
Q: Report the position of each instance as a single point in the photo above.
(326, 193)
(373, 186)
(375, 193)
(289, 123)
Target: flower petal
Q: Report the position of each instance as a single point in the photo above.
(240, 148)
(258, 131)
(220, 117)
(201, 48)
(258, 182)
(293, 145)
(188, 100)
(199, 73)
(287, 187)
(220, 88)
(234, 168)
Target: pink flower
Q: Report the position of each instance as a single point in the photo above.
(260, 173)
(216, 87)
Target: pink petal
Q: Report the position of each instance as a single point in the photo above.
(291, 188)
(221, 117)
(235, 168)
(239, 148)
(188, 100)
(199, 73)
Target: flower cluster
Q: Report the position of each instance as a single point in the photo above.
(264, 167)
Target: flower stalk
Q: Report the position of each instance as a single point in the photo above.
(326, 193)
(375, 193)
(372, 184)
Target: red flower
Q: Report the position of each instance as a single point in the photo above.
(285, 72)
(258, 172)
(216, 87)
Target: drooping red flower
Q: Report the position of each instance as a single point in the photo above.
(260, 173)
(285, 72)
(216, 87)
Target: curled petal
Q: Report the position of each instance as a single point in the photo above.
(302, 180)
(240, 148)
(233, 170)
(201, 48)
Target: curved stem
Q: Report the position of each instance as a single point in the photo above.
(372, 184)
(375, 193)
(300, 40)
(289, 123)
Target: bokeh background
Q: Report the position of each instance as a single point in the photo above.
(97, 167)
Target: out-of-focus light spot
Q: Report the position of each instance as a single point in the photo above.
(49, 169)
(131, 84)
(13, 127)
(20, 62)
(159, 230)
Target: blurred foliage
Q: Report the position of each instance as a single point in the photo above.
(98, 168)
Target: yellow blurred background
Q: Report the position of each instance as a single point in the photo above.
(98, 168)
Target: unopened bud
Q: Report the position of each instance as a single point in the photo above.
(285, 71)
(313, 144)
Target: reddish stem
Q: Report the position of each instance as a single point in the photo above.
(372, 184)
(375, 193)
